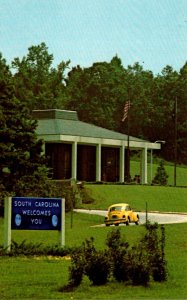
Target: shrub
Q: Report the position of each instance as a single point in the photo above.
(139, 270)
(74, 192)
(29, 248)
(97, 266)
(159, 267)
(90, 262)
(161, 176)
(118, 252)
(159, 271)
(115, 241)
(77, 268)
(120, 265)
(154, 244)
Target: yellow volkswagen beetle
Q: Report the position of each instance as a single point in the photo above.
(121, 213)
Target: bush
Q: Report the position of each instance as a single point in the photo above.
(90, 262)
(97, 266)
(139, 270)
(154, 245)
(120, 265)
(137, 264)
(118, 252)
(74, 192)
(159, 263)
(76, 269)
(30, 249)
(127, 264)
(161, 176)
(115, 241)
(159, 271)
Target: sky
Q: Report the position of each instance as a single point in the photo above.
(151, 32)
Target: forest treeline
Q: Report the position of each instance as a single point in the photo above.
(99, 93)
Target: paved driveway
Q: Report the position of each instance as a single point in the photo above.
(160, 218)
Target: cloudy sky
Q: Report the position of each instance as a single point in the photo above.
(151, 32)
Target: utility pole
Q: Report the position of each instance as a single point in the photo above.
(175, 142)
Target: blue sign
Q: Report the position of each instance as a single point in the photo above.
(36, 213)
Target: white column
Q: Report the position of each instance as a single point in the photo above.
(98, 162)
(143, 168)
(151, 166)
(74, 161)
(121, 163)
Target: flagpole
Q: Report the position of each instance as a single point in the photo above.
(128, 146)
(175, 143)
(126, 115)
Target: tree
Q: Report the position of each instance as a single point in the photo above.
(138, 86)
(169, 87)
(21, 162)
(182, 115)
(97, 93)
(100, 92)
(161, 176)
(37, 83)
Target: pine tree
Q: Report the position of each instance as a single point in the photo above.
(161, 176)
(21, 163)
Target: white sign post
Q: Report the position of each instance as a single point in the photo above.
(7, 223)
(62, 231)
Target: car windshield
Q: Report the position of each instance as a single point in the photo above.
(116, 208)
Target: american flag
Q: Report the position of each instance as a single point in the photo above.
(125, 110)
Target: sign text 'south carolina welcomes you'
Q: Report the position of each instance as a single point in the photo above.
(36, 213)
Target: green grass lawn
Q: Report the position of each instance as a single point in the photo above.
(158, 198)
(41, 277)
(181, 172)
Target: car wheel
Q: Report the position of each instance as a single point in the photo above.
(107, 225)
(117, 224)
(127, 223)
(137, 222)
